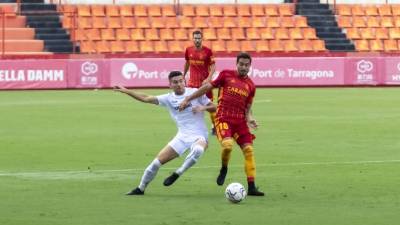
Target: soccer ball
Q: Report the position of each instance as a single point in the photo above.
(235, 192)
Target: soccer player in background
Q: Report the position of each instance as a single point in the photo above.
(234, 117)
(200, 61)
(192, 131)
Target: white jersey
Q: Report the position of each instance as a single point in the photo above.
(188, 123)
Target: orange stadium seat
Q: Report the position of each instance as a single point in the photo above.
(98, 22)
(371, 10)
(123, 34)
(367, 33)
(132, 46)
(181, 34)
(167, 34)
(186, 22)
(117, 46)
(309, 33)
(218, 46)
(253, 34)
(281, 33)
(87, 47)
(154, 11)
(114, 22)
(396, 10)
(376, 45)
(93, 34)
(137, 34)
(290, 46)
(258, 22)
(98, 10)
(157, 22)
(318, 45)
(84, 10)
(305, 46)
(224, 34)
(68, 8)
(200, 22)
(344, 10)
(175, 46)
(273, 22)
(373, 21)
(275, 46)
(202, 10)
(244, 22)
(86, 22)
(188, 10)
(209, 34)
(171, 22)
(216, 10)
(390, 45)
(161, 46)
(385, 10)
(352, 33)
(229, 10)
(394, 33)
(287, 21)
(300, 21)
(267, 33)
(142, 22)
(271, 10)
(108, 34)
(285, 9)
(151, 34)
(295, 33)
(126, 10)
(381, 33)
(257, 10)
(128, 22)
(216, 22)
(233, 46)
(396, 21)
(102, 47)
(357, 10)
(140, 10)
(238, 34)
(68, 22)
(146, 46)
(242, 10)
(247, 46)
(387, 21)
(344, 21)
(359, 21)
(112, 10)
(262, 46)
(168, 10)
(230, 22)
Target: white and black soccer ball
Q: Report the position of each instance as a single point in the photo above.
(235, 192)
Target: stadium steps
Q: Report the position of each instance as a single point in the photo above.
(323, 20)
(46, 21)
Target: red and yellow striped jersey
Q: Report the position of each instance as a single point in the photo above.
(199, 61)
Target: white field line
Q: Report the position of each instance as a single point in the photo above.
(71, 173)
(262, 100)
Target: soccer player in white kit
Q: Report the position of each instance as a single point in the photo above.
(192, 131)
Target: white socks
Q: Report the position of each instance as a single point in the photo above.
(149, 174)
(191, 159)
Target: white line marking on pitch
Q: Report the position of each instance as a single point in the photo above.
(58, 174)
(262, 100)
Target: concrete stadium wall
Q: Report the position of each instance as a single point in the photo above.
(153, 72)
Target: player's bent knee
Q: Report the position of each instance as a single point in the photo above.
(197, 151)
(227, 144)
(248, 150)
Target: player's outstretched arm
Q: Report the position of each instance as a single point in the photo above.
(137, 95)
(201, 91)
(211, 73)
(210, 107)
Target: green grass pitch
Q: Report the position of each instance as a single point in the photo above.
(324, 157)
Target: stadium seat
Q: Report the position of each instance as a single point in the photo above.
(157, 22)
(128, 22)
(387, 21)
(112, 10)
(168, 10)
(344, 21)
(287, 22)
(385, 10)
(151, 34)
(216, 10)
(126, 10)
(146, 46)
(186, 22)
(167, 34)
(371, 11)
(233, 46)
(209, 34)
(352, 33)
(242, 10)
(132, 46)
(137, 34)
(359, 21)
(305, 46)
(188, 10)
(244, 22)
(309, 33)
(102, 47)
(86, 22)
(396, 10)
(273, 22)
(285, 9)
(171, 22)
(238, 34)
(394, 33)
(202, 10)
(390, 45)
(224, 34)
(142, 22)
(253, 34)
(87, 47)
(367, 33)
(373, 21)
(318, 45)
(229, 10)
(300, 21)
(117, 46)
(84, 10)
(114, 22)
(267, 34)
(140, 10)
(296, 33)
(376, 45)
(154, 11)
(344, 10)
(290, 46)
(275, 46)
(98, 10)
(271, 10)
(247, 46)
(281, 33)
(93, 34)
(357, 10)
(381, 33)
(230, 22)
(216, 22)
(361, 45)
(123, 34)
(161, 46)
(257, 10)
(175, 46)
(262, 46)
(218, 46)
(258, 22)
(200, 22)
(181, 34)
(107, 34)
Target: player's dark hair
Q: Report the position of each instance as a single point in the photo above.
(197, 32)
(243, 55)
(174, 74)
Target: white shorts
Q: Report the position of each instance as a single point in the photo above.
(180, 143)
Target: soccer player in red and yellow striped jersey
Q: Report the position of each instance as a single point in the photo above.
(200, 62)
(234, 118)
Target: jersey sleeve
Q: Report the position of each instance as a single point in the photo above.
(162, 100)
(210, 57)
(218, 81)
